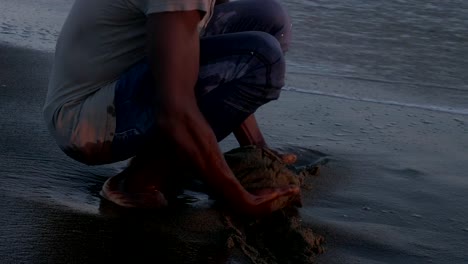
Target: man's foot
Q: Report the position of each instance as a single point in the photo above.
(143, 184)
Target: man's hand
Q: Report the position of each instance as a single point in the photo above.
(248, 133)
(263, 202)
(287, 158)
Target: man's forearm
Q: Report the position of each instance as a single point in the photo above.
(248, 133)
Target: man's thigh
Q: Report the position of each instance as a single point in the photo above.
(239, 72)
(267, 16)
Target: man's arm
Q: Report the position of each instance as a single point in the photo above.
(248, 133)
(173, 46)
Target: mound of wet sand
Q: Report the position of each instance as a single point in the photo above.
(280, 237)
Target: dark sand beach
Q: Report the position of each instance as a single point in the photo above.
(394, 138)
(392, 191)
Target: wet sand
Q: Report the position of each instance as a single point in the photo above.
(393, 190)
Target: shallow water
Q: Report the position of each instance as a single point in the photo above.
(418, 42)
(408, 52)
(381, 87)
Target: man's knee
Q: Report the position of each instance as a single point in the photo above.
(276, 14)
(269, 52)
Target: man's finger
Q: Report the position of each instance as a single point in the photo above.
(288, 191)
(272, 194)
(280, 191)
(289, 158)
